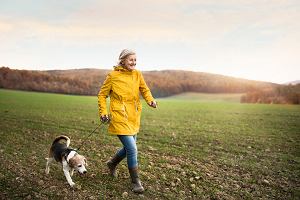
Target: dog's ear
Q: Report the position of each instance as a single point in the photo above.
(72, 162)
(85, 160)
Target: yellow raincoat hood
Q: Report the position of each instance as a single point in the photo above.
(124, 88)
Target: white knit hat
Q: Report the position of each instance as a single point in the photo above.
(125, 53)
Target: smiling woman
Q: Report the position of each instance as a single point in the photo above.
(124, 86)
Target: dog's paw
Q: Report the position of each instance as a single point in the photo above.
(77, 187)
(72, 184)
(47, 171)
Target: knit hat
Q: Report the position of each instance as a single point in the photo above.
(125, 53)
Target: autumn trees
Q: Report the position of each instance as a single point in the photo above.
(162, 83)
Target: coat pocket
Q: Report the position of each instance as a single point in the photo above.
(118, 112)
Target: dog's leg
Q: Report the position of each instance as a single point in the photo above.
(49, 160)
(72, 172)
(66, 169)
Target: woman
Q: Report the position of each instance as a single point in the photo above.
(123, 86)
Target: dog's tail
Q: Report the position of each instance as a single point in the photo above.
(62, 137)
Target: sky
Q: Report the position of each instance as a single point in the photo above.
(251, 39)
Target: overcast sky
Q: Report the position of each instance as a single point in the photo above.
(253, 39)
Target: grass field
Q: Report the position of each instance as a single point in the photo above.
(188, 149)
(207, 97)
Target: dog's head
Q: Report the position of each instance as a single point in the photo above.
(78, 162)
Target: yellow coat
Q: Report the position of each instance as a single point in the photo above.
(123, 87)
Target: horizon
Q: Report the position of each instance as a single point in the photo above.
(58, 69)
(254, 40)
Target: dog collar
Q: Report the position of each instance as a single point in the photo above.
(71, 155)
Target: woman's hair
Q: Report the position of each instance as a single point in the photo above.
(124, 54)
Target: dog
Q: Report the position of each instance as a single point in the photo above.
(68, 157)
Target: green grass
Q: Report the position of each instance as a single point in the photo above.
(188, 149)
(207, 97)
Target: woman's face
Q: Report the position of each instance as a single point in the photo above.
(130, 62)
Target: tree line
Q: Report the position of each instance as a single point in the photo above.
(162, 83)
(281, 94)
(170, 82)
(41, 81)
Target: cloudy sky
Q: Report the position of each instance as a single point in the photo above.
(253, 39)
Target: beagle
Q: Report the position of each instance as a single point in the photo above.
(68, 157)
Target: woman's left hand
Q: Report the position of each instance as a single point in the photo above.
(153, 104)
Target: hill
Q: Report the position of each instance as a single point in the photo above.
(162, 83)
(292, 82)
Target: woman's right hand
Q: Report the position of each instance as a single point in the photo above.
(104, 118)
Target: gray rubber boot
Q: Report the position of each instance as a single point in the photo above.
(112, 164)
(136, 183)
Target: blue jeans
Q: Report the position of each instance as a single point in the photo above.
(129, 149)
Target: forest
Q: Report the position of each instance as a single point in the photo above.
(162, 84)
